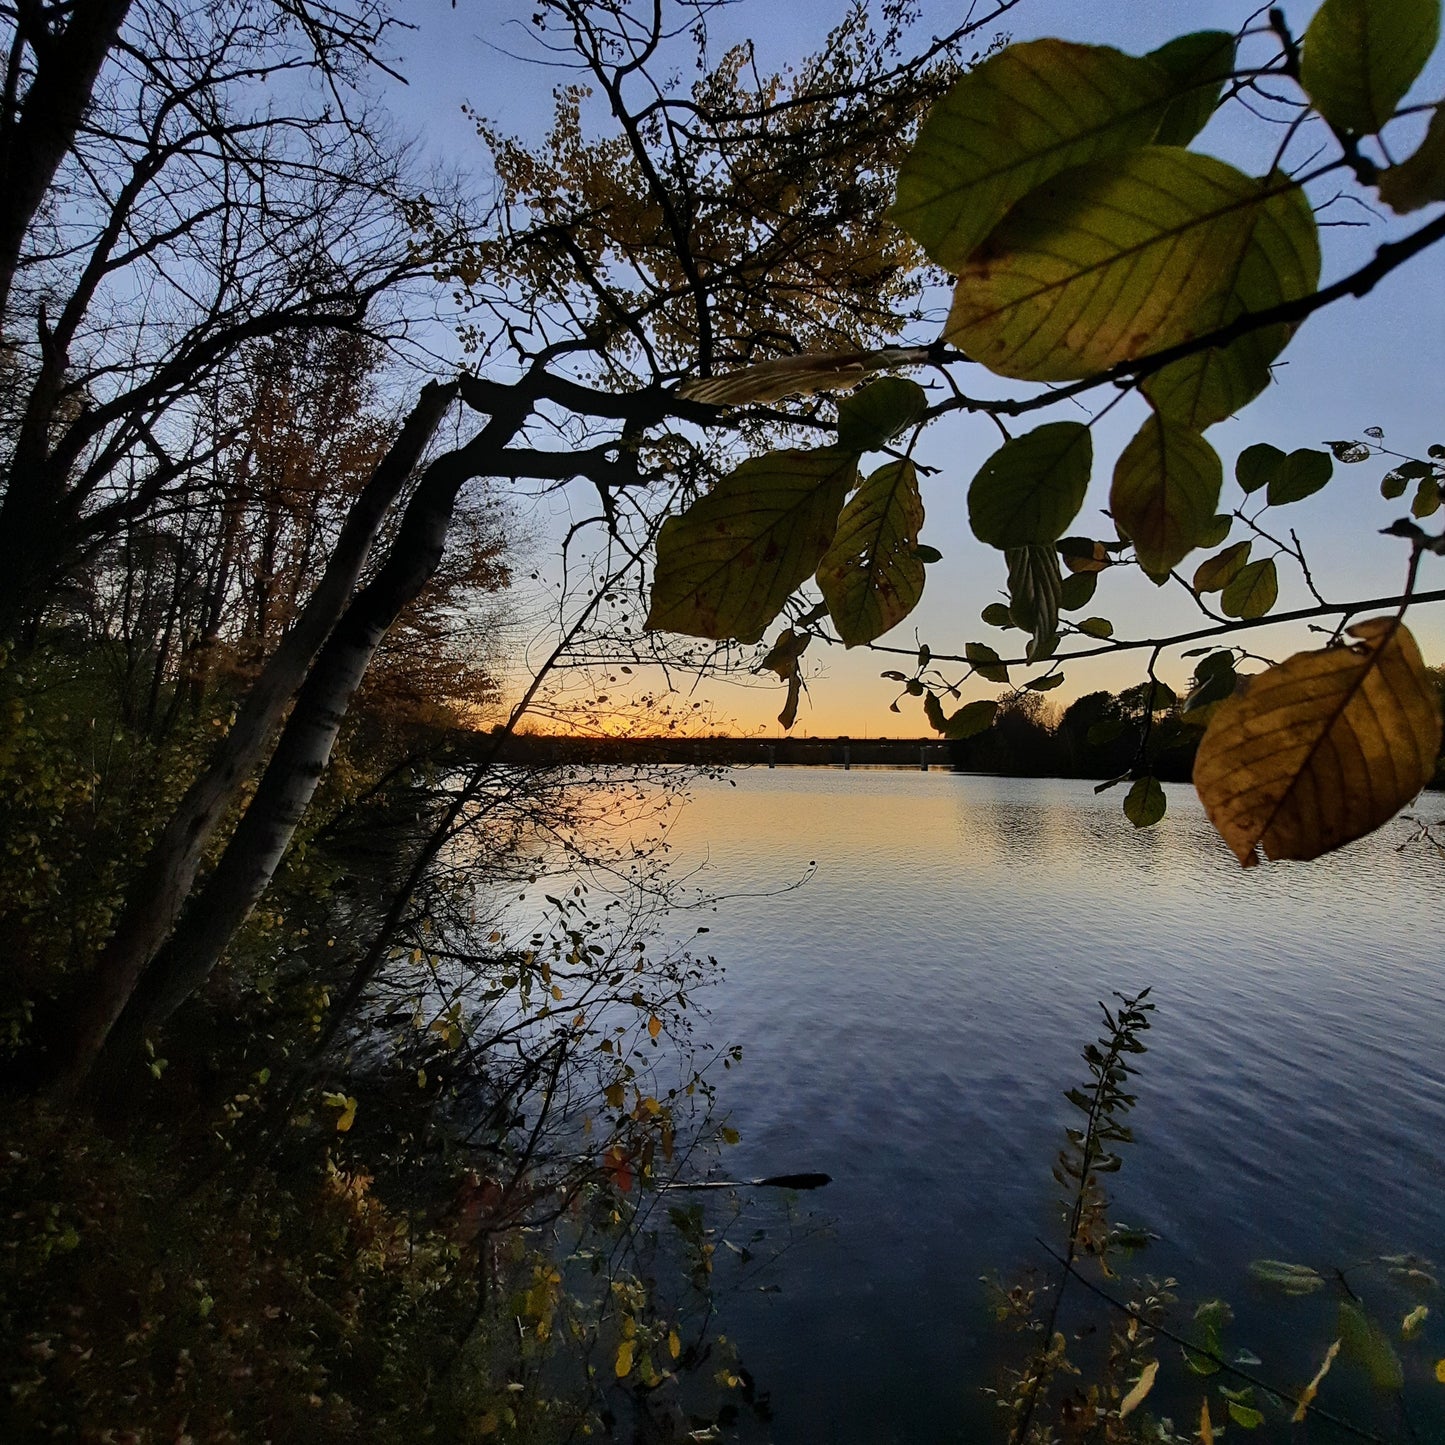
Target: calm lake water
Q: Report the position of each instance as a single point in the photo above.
(912, 1014)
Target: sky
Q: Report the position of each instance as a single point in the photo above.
(1378, 361)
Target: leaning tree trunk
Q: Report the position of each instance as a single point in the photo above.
(265, 832)
(154, 901)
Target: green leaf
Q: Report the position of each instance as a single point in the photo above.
(1108, 262)
(1145, 803)
(970, 720)
(1032, 487)
(1047, 683)
(1216, 531)
(1368, 1345)
(1427, 498)
(1300, 475)
(1097, 627)
(985, 662)
(996, 614)
(1197, 66)
(1166, 487)
(1077, 591)
(1256, 465)
(1252, 591)
(873, 416)
(1012, 122)
(1214, 680)
(1245, 1416)
(1290, 1278)
(1359, 57)
(1280, 262)
(1217, 572)
(927, 555)
(1034, 584)
(1083, 555)
(869, 576)
(1420, 179)
(727, 564)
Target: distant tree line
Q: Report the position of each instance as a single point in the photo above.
(1099, 735)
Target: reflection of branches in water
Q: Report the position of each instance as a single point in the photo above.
(1430, 834)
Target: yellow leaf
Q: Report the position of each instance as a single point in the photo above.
(1309, 1392)
(1321, 749)
(488, 1423)
(1440, 1371)
(674, 1344)
(654, 1026)
(557, 993)
(1142, 1386)
(347, 1117)
(1410, 1325)
(1206, 1430)
(623, 1366)
(730, 1136)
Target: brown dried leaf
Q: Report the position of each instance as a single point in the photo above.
(1321, 749)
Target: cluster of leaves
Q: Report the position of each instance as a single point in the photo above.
(1087, 242)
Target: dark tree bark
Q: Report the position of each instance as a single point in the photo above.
(154, 902)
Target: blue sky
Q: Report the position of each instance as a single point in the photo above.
(1379, 361)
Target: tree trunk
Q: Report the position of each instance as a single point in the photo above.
(264, 833)
(155, 899)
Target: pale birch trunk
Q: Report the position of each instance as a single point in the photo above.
(155, 900)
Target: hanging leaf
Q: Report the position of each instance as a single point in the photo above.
(1217, 572)
(996, 614)
(1307, 1395)
(784, 376)
(1359, 57)
(1216, 531)
(878, 412)
(1046, 683)
(1077, 590)
(784, 658)
(1034, 585)
(1245, 1416)
(985, 662)
(1322, 748)
(1300, 475)
(1413, 1322)
(1011, 123)
(1145, 803)
(1166, 486)
(1206, 1428)
(1252, 591)
(622, 1366)
(1032, 487)
(869, 576)
(1197, 66)
(1256, 465)
(1107, 263)
(1140, 1389)
(1097, 627)
(1419, 180)
(727, 564)
(1368, 1345)
(1291, 1278)
(970, 720)
(1280, 262)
